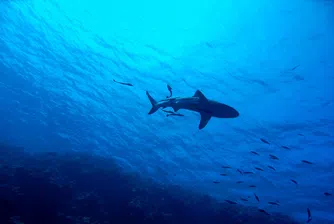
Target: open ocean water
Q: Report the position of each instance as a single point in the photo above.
(78, 146)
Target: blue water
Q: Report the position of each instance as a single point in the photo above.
(271, 60)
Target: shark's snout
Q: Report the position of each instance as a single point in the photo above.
(234, 113)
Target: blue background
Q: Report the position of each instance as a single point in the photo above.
(58, 60)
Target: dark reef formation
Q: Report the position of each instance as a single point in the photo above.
(72, 187)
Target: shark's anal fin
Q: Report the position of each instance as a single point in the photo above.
(205, 118)
(201, 96)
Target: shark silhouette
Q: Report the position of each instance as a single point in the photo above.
(199, 103)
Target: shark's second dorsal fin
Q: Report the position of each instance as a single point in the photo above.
(200, 95)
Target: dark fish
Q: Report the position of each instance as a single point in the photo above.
(301, 134)
(170, 91)
(231, 202)
(216, 182)
(273, 203)
(251, 186)
(223, 174)
(175, 114)
(309, 215)
(294, 67)
(264, 141)
(255, 153)
(248, 172)
(239, 182)
(285, 147)
(123, 83)
(263, 211)
(239, 171)
(327, 194)
(257, 168)
(257, 198)
(273, 157)
(294, 181)
(226, 167)
(307, 162)
(243, 199)
(209, 45)
(168, 111)
(271, 168)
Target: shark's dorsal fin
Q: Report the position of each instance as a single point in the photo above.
(205, 118)
(200, 95)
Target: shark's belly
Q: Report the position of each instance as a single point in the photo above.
(214, 110)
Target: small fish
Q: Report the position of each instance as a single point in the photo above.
(257, 198)
(168, 111)
(170, 91)
(307, 162)
(301, 134)
(123, 83)
(248, 172)
(285, 147)
(294, 181)
(175, 114)
(264, 141)
(273, 157)
(252, 186)
(271, 168)
(255, 153)
(239, 171)
(309, 215)
(273, 203)
(239, 182)
(216, 182)
(294, 67)
(243, 199)
(231, 202)
(327, 194)
(226, 167)
(209, 45)
(223, 174)
(258, 168)
(263, 211)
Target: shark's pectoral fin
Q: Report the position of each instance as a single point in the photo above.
(201, 96)
(205, 118)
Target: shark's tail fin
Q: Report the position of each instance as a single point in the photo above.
(153, 102)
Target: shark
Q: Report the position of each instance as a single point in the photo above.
(198, 103)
